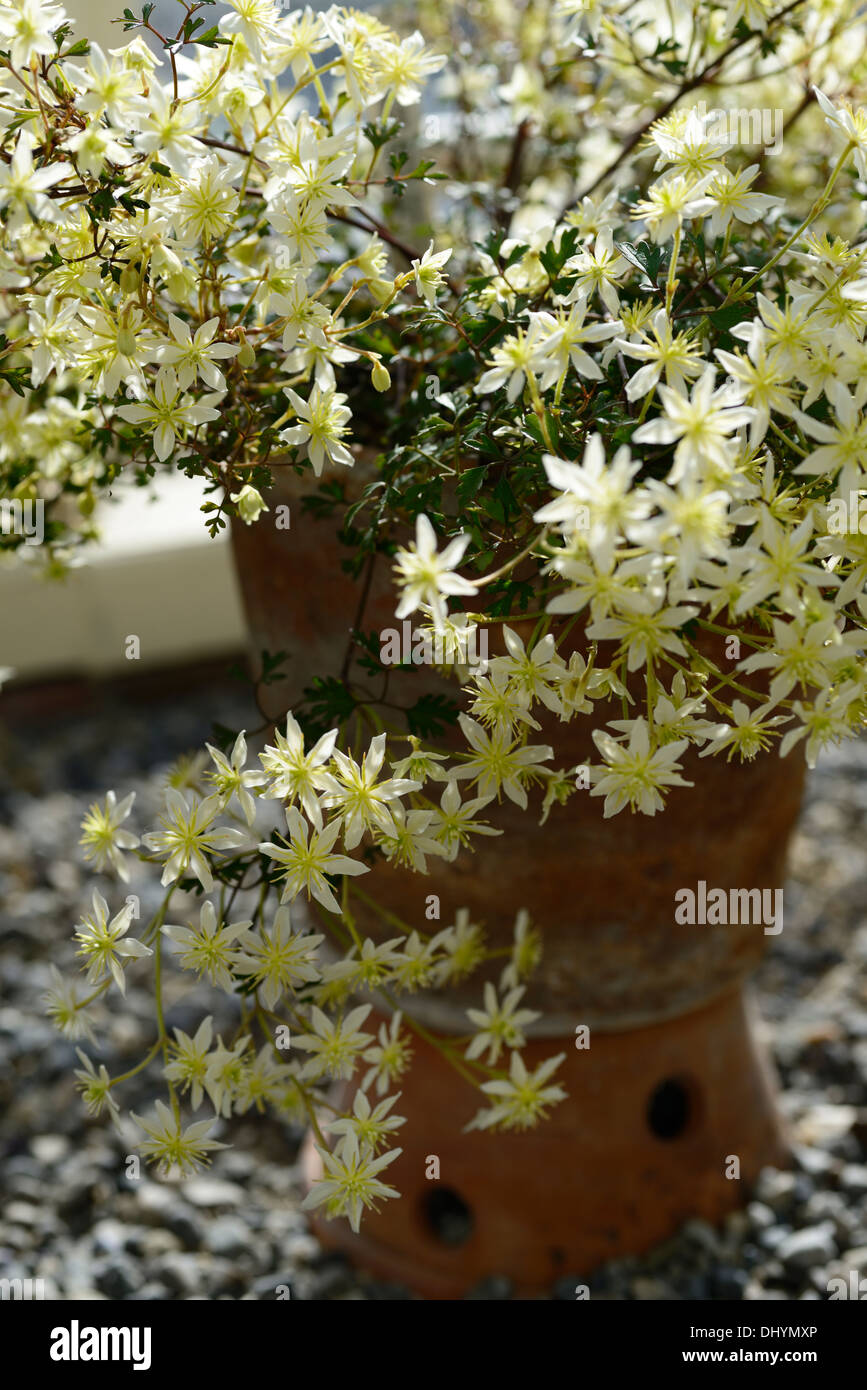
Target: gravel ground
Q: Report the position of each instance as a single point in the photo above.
(70, 1215)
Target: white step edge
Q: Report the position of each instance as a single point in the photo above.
(156, 574)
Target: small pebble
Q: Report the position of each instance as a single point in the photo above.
(813, 1246)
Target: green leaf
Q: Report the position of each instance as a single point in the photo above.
(643, 256)
(380, 132)
(726, 317)
(327, 702)
(554, 258)
(212, 38)
(422, 171)
(431, 714)
(16, 377)
(101, 203)
(469, 483)
(515, 255)
(271, 664)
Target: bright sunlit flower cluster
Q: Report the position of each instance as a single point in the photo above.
(183, 234)
(616, 422)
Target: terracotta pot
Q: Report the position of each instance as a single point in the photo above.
(662, 1123)
(663, 1002)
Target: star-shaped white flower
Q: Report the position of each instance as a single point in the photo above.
(426, 576)
(168, 413)
(308, 859)
(105, 945)
(197, 354)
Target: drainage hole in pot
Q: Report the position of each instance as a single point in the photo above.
(447, 1216)
(668, 1110)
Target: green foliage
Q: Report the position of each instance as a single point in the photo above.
(431, 714)
(326, 703)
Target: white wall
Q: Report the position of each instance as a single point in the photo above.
(156, 575)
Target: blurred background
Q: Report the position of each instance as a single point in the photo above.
(151, 573)
(79, 718)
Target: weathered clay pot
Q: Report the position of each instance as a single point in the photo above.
(669, 1032)
(662, 1123)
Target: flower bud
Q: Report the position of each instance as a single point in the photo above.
(250, 503)
(181, 285)
(246, 357)
(380, 377)
(126, 342)
(130, 279)
(381, 290)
